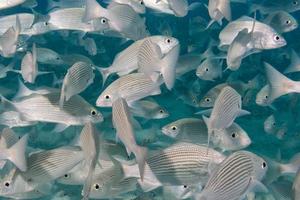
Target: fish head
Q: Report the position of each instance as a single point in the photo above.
(287, 22)
(165, 43)
(262, 97)
(171, 130)
(99, 187)
(207, 101)
(260, 166)
(293, 5)
(270, 125)
(234, 138)
(272, 41)
(41, 27)
(105, 99)
(138, 6)
(101, 24)
(160, 113)
(94, 115)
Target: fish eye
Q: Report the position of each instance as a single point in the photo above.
(93, 112)
(185, 186)
(168, 40)
(103, 21)
(142, 2)
(6, 184)
(295, 2)
(276, 37)
(264, 165)
(233, 135)
(57, 58)
(206, 69)
(266, 97)
(97, 186)
(174, 128)
(273, 123)
(207, 99)
(288, 21)
(46, 23)
(161, 111)
(107, 97)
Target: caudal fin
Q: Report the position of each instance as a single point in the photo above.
(140, 155)
(105, 74)
(16, 153)
(23, 91)
(279, 84)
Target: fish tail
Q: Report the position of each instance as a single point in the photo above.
(105, 74)
(17, 153)
(140, 154)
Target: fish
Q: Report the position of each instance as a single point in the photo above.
(10, 3)
(226, 108)
(131, 87)
(281, 21)
(121, 118)
(173, 7)
(14, 119)
(45, 108)
(210, 69)
(7, 21)
(29, 66)
(159, 57)
(268, 37)
(263, 96)
(279, 84)
(48, 56)
(218, 10)
(123, 19)
(137, 5)
(242, 171)
(15, 153)
(270, 6)
(79, 76)
(194, 130)
(149, 109)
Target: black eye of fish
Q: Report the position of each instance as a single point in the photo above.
(295, 2)
(161, 111)
(6, 184)
(288, 22)
(207, 99)
(103, 21)
(274, 123)
(168, 41)
(46, 23)
(142, 2)
(97, 186)
(233, 135)
(185, 186)
(276, 37)
(93, 112)
(107, 97)
(174, 128)
(264, 165)
(266, 97)
(206, 69)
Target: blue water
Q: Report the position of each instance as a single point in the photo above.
(287, 107)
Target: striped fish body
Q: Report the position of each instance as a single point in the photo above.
(77, 79)
(131, 87)
(45, 108)
(46, 166)
(183, 164)
(26, 21)
(235, 176)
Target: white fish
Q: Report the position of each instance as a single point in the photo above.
(10, 3)
(178, 8)
(16, 153)
(14, 119)
(48, 165)
(281, 21)
(122, 19)
(149, 109)
(29, 66)
(161, 57)
(131, 87)
(7, 21)
(122, 122)
(227, 107)
(279, 84)
(137, 5)
(262, 97)
(78, 78)
(210, 69)
(126, 61)
(45, 108)
(90, 146)
(269, 6)
(48, 56)
(268, 38)
(9, 39)
(237, 175)
(219, 9)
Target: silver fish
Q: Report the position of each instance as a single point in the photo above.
(178, 8)
(131, 87)
(48, 56)
(281, 21)
(137, 5)
(122, 122)
(219, 9)
(269, 6)
(210, 69)
(78, 78)
(29, 66)
(26, 21)
(237, 175)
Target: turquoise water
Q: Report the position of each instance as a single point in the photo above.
(176, 101)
